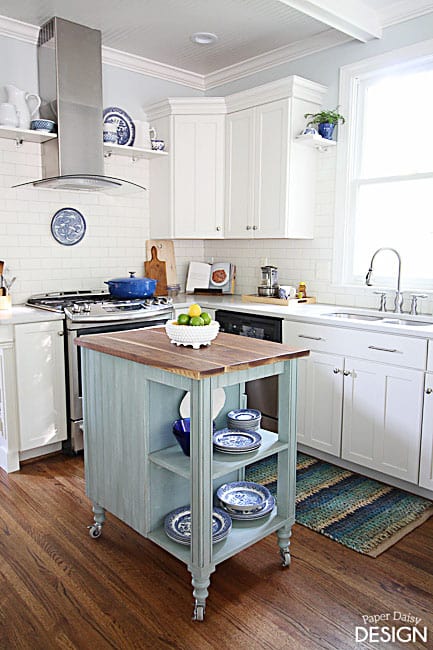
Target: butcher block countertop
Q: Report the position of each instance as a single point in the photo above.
(226, 353)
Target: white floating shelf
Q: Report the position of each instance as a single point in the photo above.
(316, 141)
(132, 152)
(25, 135)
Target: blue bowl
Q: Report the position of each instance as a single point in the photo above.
(181, 431)
(47, 126)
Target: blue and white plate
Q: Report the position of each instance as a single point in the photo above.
(238, 515)
(243, 496)
(231, 441)
(125, 126)
(244, 419)
(68, 226)
(177, 525)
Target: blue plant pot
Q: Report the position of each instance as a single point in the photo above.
(326, 130)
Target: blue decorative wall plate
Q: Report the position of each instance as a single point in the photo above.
(68, 226)
(125, 126)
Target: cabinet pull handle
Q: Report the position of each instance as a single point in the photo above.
(336, 371)
(429, 391)
(313, 338)
(373, 347)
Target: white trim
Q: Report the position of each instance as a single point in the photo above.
(152, 68)
(17, 29)
(351, 77)
(186, 106)
(405, 10)
(279, 56)
(356, 19)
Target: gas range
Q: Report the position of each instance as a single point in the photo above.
(99, 306)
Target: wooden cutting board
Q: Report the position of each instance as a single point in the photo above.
(155, 269)
(165, 248)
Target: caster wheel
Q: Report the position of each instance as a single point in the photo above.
(198, 613)
(95, 531)
(285, 555)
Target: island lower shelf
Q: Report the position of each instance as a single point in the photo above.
(242, 535)
(172, 458)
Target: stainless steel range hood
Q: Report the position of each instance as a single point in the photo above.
(70, 85)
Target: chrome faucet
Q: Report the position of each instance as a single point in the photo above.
(398, 302)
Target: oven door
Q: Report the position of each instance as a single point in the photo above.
(75, 393)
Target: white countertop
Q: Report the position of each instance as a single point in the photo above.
(318, 313)
(23, 314)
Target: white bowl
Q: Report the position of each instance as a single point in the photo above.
(194, 335)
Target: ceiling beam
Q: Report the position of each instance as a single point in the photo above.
(352, 17)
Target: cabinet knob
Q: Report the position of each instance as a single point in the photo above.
(218, 228)
(60, 334)
(429, 391)
(255, 227)
(248, 228)
(336, 371)
(346, 373)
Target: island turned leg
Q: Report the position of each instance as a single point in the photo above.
(95, 530)
(200, 582)
(284, 535)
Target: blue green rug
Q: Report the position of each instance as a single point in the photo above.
(358, 512)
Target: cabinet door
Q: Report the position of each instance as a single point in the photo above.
(41, 383)
(240, 151)
(271, 174)
(382, 410)
(426, 464)
(198, 176)
(320, 397)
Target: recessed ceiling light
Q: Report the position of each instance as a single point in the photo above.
(204, 38)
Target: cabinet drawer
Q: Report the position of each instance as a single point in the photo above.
(405, 351)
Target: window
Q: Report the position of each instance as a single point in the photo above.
(385, 171)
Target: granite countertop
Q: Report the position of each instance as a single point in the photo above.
(227, 352)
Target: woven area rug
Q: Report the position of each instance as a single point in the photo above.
(362, 514)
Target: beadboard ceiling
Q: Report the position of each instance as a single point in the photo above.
(252, 34)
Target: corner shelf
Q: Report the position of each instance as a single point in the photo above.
(316, 141)
(25, 135)
(133, 152)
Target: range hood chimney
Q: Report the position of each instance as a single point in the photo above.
(70, 85)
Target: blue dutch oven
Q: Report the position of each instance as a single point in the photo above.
(131, 287)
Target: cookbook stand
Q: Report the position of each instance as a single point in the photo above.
(134, 470)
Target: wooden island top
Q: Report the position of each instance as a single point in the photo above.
(227, 353)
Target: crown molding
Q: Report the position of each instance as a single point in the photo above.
(405, 10)
(186, 106)
(20, 31)
(279, 56)
(152, 68)
(293, 86)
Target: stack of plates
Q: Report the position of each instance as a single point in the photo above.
(244, 419)
(230, 441)
(177, 525)
(245, 501)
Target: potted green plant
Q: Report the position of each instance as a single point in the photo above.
(326, 121)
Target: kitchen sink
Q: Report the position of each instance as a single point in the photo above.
(349, 316)
(407, 323)
(386, 321)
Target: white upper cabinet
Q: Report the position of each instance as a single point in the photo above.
(270, 177)
(187, 187)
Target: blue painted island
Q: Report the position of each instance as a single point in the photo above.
(133, 384)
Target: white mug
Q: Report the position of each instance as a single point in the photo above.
(8, 115)
(142, 134)
(109, 132)
(286, 291)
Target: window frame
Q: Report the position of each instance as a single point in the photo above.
(352, 79)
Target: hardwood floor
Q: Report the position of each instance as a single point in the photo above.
(61, 589)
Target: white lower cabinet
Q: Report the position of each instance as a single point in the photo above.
(364, 410)
(426, 462)
(320, 395)
(382, 415)
(40, 372)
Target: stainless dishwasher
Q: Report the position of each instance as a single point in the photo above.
(262, 393)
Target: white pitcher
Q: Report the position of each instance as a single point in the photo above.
(21, 100)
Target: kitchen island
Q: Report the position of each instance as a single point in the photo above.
(133, 384)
